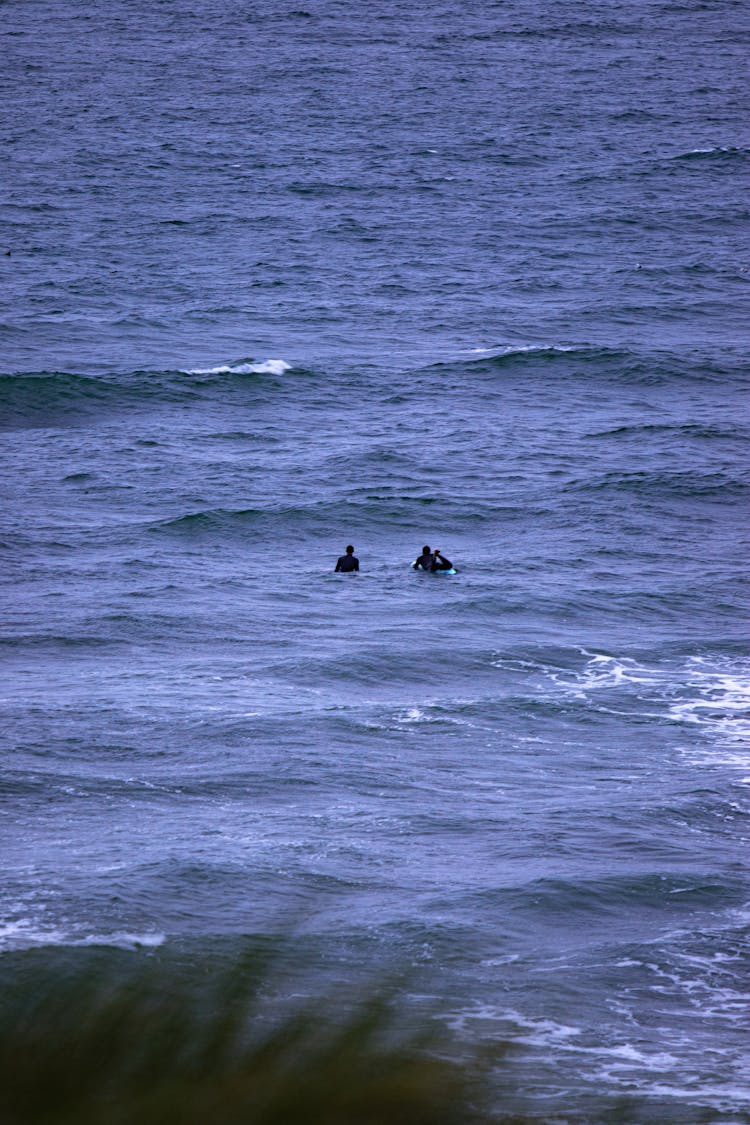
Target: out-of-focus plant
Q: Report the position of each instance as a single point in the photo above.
(140, 1044)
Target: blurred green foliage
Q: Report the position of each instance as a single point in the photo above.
(131, 1041)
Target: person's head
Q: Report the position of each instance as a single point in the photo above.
(350, 550)
(425, 550)
(436, 552)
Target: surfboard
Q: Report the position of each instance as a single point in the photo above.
(451, 570)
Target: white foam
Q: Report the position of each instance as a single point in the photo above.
(712, 694)
(715, 696)
(721, 700)
(612, 671)
(124, 940)
(266, 367)
(658, 1069)
(411, 715)
(431, 712)
(25, 934)
(521, 349)
(717, 149)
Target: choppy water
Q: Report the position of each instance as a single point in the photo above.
(284, 279)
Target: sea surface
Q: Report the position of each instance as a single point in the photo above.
(282, 276)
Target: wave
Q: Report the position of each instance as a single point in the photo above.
(711, 694)
(229, 522)
(57, 640)
(213, 519)
(571, 899)
(724, 153)
(59, 398)
(644, 365)
(619, 364)
(675, 485)
(246, 367)
(584, 28)
(506, 352)
(685, 430)
(717, 700)
(358, 514)
(49, 398)
(28, 934)
(556, 361)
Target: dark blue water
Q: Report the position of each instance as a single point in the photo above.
(284, 278)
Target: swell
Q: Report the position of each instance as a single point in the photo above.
(721, 154)
(388, 511)
(622, 365)
(53, 398)
(50, 398)
(668, 485)
(47, 399)
(690, 430)
(575, 900)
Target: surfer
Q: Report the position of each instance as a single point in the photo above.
(439, 562)
(424, 562)
(348, 562)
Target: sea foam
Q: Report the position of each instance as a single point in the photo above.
(265, 367)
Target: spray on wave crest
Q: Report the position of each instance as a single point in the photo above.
(246, 367)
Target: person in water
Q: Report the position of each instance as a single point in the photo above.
(348, 562)
(424, 562)
(432, 560)
(439, 562)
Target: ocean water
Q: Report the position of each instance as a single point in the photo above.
(281, 278)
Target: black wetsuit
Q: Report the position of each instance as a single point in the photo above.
(441, 563)
(424, 561)
(347, 563)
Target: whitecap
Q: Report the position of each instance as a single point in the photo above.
(23, 934)
(710, 694)
(721, 700)
(715, 696)
(264, 367)
(718, 149)
(27, 934)
(124, 940)
(499, 351)
(411, 715)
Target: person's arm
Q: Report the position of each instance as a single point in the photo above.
(337, 566)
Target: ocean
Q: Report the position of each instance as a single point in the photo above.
(278, 279)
